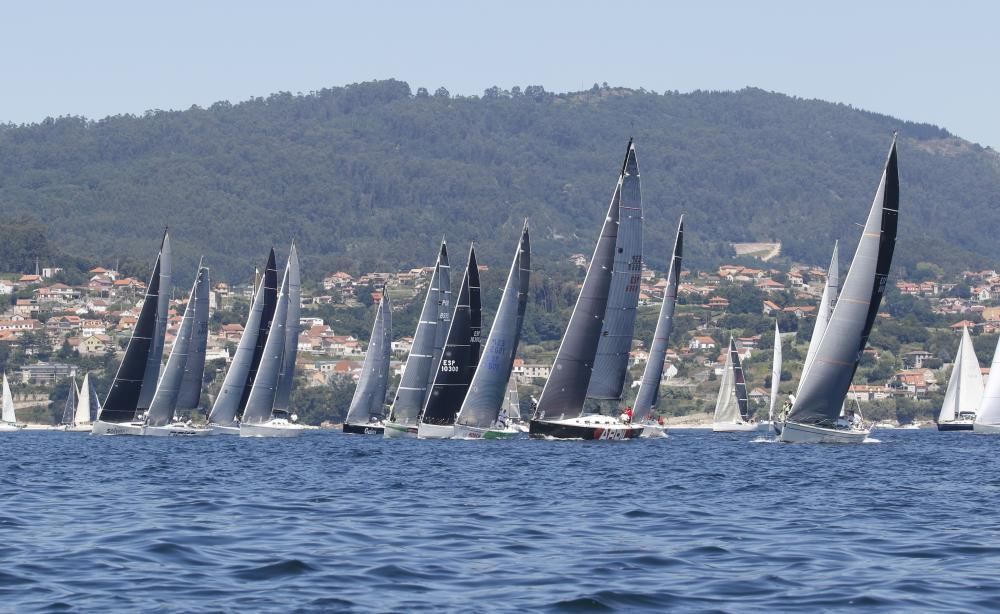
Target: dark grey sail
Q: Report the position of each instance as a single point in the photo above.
(161, 410)
(460, 356)
(825, 383)
(227, 404)
(269, 290)
(369, 396)
(612, 358)
(292, 329)
(189, 395)
(739, 382)
(566, 389)
(260, 403)
(489, 383)
(649, 386)
(443, 316)
(122, 401)
(418, 369)
(69, 408)
(155, 357)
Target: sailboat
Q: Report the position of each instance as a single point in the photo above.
(775, 376)
(815, 413)
(425, 352)
(559, 412)
(988, 417)
(8, 421)
(965, 389)
(262, 418)
(732, 407)
(511, 406)
(223, 419)
(180, 385)
(459, 359)
(489, 390)
(649, 386)
(85, 411)
(135, 382)
(69, 407)
(364, 416)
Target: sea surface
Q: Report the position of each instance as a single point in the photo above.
(332, 522)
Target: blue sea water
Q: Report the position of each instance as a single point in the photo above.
(334, 522)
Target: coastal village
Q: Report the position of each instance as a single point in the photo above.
(51, 331)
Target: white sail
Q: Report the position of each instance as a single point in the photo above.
(727, 409)
(989, 409)
(826, 305)
(82, 415)
(965, 388)
(775, 372)
(8, 404)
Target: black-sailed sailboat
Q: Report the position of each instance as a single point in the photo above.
(367, 410)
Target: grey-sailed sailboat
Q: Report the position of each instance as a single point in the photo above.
(135, 382)
(425, 352)
(479, 416)
(732, 406)
(815, 413)
(367, 410)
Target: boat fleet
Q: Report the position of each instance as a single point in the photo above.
(456, 385)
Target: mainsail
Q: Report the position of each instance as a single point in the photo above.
(566, 388)
(488, 388)
(732, 404)
(418, 369)
(989, 408)
(265, 383)
(7, 413)
(460, 356)
(965, 387)
(824, 384)
(612, 358)
(161, 410)
(69, 408)
(227, 405)
(292, 329)
(369, 396)
(826, 305)
(775, 372)
(87, 405)
(269, 289)
(155, 356)
(189, 395)
(649, 386)
(131, 381)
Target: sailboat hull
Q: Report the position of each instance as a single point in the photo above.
(177, 429)
(9, 428)
(584, 427)
(77, 428)
(793, 432)
(986, 429)
(219, 429)
(394, 430)
(435, 431)
(116, 428)
(736, 427)
(957, 425)
(271, 428)
(374, 428)
(472, 432)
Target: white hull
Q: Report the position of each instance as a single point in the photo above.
(115, 428)
(735, 427)
(653, 430)
(77, 428)
(435, 431)
(9, 428)
(986, 429)
(394, 430)
(177, 429)
(471, 432)
(792, 432)
(218, 429)
(277, 427)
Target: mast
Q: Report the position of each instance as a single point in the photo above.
(369, 396)
(824, 385)
(566, 388)
(260, 403)
(488, 388)
(460, 356)
(292, 329)
(189, 395)
(612, 358)
(649, 386)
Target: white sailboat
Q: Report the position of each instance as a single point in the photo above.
(732, 406)
(965, 389)
(8, 420)
(988, 418)
(82, 419)
(815, 414)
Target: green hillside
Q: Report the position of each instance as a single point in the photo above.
(370, 176)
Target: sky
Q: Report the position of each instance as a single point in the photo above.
(932, 62)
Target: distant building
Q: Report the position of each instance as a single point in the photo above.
(44, 373)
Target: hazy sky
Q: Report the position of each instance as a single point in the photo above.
(935, 62)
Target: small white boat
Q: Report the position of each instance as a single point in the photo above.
(8, 420)
(732, 406)
(965, 391)
(275, 427)
(792, 432)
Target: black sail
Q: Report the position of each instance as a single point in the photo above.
(460, 355)
(740, 382)
(269, 286)
(189, 395)
(123, 398)
(566, 389)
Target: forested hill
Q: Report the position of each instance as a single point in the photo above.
(370, 176)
